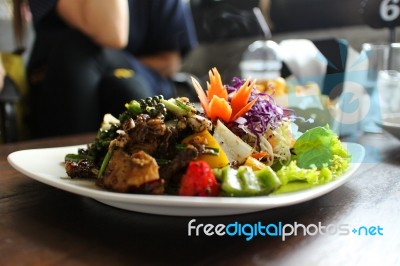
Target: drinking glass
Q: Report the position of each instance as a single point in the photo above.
(377, 55)
(389, 91)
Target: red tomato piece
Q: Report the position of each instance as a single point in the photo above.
(199, 180)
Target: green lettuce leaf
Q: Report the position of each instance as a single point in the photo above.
(319, 158)
(314, 148)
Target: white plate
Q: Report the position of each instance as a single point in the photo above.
(46, 166)
(391, 123)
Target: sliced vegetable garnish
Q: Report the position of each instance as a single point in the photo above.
(216, 103)
(219, 109)
(242, 96)
(201, 94)
(244, 110)
(215, 86)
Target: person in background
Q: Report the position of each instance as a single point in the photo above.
(90, 57)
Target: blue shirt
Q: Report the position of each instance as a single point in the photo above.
(155, 25)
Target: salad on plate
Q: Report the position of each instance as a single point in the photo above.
(240, 143)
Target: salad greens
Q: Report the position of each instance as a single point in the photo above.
(313, 149)
(318, 158)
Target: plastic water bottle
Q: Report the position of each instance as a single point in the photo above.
(261, 61)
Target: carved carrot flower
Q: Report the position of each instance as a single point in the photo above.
(215, 101)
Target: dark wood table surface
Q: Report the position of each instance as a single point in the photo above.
(42, 225)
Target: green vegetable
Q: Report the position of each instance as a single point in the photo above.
(319, 158)
(184, 106)
(77, 157)
(268, 179)
(313, 148)
(249, 181)
(179, 110)
(99, 147)
(292, 186)
(230, 183)
(293, 172)
(150, 105)
(105, 163)
(134, 107)
(162, 161)
(245, 182)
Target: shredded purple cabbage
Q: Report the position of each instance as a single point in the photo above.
(264, 114)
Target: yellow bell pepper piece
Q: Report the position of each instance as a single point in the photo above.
(214, 161)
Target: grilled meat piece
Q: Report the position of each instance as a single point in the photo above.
(199, 123)
(179, 163)
(151, 135)
(126, 173)
(81, 169)
(145, 135)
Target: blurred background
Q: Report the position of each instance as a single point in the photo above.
(226, 28)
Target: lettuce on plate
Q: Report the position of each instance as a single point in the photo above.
(319, 157)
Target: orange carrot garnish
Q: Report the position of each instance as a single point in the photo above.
(219, 109)
(241, 97)
(215, 86)
(243, 110)
(215, 103)
(201, 94)
(260, 155)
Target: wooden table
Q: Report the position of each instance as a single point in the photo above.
(42, 225)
